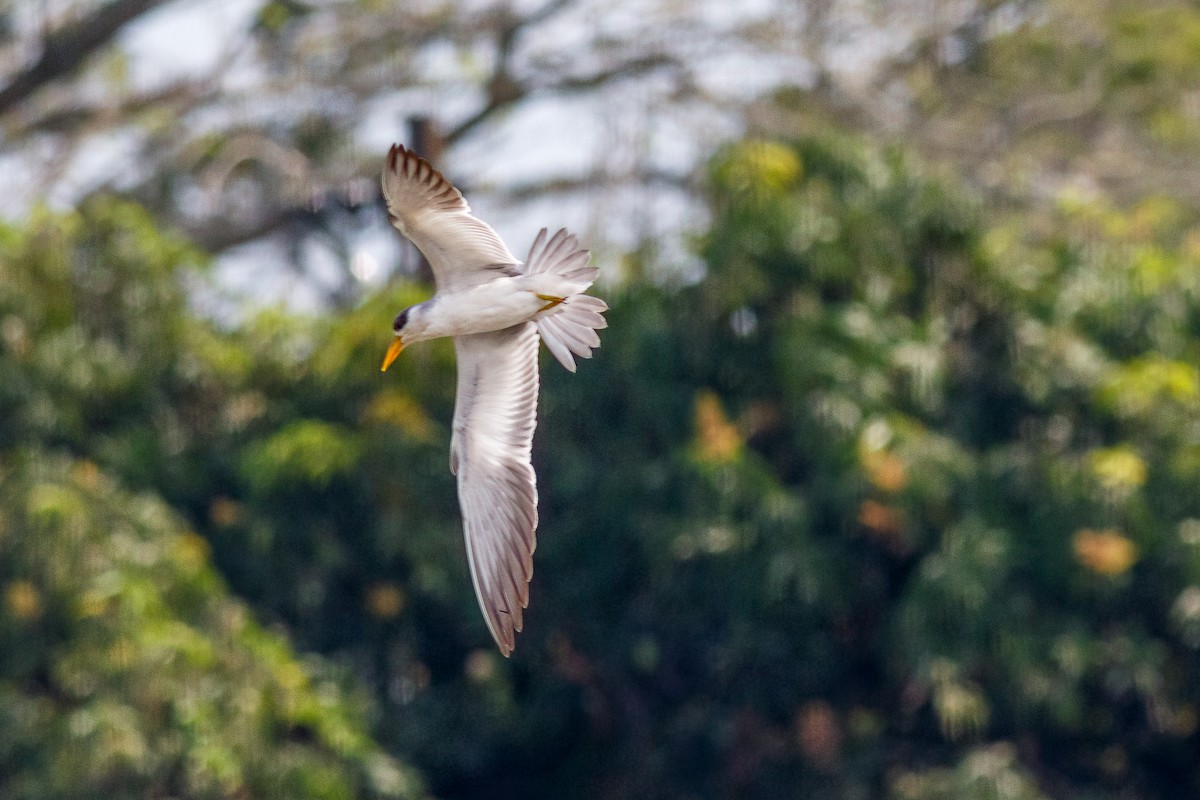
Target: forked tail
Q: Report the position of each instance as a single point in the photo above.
(568, 328)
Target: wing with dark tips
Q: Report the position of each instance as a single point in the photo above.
(462, 251)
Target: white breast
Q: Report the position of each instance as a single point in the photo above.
(494, 306)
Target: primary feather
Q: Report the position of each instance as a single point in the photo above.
(462, 250)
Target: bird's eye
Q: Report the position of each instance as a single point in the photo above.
(401, 321)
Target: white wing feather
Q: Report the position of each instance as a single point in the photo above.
(462, 251)
(494, 417)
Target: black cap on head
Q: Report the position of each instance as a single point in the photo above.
(400, 321)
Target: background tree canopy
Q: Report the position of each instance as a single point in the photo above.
(882, 484)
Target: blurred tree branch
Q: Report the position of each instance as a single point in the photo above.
(65, 49)
(505, 90)
(972, 84)
(1030, 96)
(528, 191)
(73, 118)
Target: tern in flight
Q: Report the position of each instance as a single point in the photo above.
(497, 309)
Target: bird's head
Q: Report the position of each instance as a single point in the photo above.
(399, 328)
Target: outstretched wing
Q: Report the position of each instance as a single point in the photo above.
(494, 417)
(462, 250)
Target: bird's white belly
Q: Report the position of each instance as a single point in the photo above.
(493, 306)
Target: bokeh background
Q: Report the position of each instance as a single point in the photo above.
(884, 484)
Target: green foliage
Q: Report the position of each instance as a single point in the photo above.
(895, 501)
(73, 367)
(127, 668)
(128, 671)
(876, 490)
(989, 773)
(305, 453)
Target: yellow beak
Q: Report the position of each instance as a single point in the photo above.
(392, 352)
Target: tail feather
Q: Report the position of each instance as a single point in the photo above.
(560, 255)
(552, 255)
(569, 328)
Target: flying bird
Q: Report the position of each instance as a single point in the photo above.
(497, 309)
